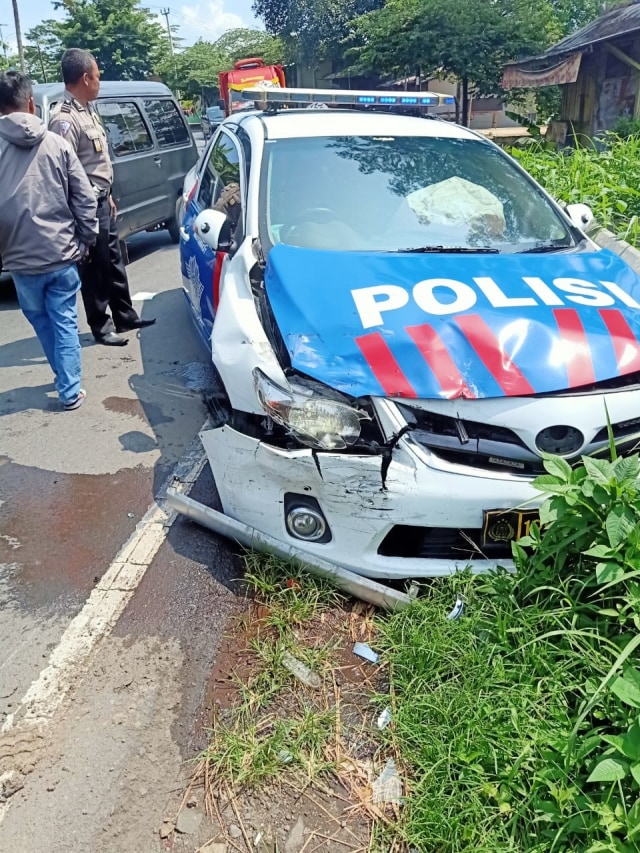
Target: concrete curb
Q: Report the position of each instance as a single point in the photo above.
(608, 240)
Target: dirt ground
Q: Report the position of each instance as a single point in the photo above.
(290, 811)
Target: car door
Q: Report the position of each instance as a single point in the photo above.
(138, 184)
(202, 268)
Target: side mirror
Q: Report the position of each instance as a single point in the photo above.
(208, 226)
(580, 215)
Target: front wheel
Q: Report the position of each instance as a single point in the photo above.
(173, 225)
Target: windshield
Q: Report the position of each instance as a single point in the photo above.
(389, 193)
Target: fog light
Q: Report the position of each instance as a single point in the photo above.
(304, 522)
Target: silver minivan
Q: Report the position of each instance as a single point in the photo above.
(151, 146)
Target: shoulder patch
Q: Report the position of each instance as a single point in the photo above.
(65, 126)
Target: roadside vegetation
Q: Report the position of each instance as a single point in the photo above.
(605, 176)
(515, 727)
(520, 722)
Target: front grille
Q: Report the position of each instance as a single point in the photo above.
(496, 448)
(471, 443)
(440, 543)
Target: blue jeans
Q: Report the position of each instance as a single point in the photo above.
(48, 301)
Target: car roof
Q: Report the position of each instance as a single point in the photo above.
(108, 88)
(334, 122)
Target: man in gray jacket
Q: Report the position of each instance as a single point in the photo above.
(47, 222)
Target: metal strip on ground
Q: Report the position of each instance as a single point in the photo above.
(107, 600)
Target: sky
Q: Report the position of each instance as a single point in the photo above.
(207, 19)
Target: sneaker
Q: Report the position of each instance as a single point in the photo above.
(77, 402)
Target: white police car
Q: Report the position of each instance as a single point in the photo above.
(403, 321)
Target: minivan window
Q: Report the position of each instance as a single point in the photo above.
(167, 122)
(125, 127)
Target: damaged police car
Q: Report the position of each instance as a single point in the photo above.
(403, 322)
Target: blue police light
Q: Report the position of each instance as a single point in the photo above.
(274, 96)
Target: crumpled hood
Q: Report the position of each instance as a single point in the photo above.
(441, 326)
(22, 129)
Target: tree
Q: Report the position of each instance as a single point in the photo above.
(241, 43)
(467, 39)
(193, 69)
(311, 29)
(125, 39)
(197, 67)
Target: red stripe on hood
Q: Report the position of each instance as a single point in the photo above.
(577, 352)
(437, 357)
(384, 366)
(499, 364)
(625, 343)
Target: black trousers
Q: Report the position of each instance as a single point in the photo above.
(104, 279)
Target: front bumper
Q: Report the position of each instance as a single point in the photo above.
(361, 499)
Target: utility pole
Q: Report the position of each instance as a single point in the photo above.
(44, 73)
(165, 12)
(4, 44)
(16, 18)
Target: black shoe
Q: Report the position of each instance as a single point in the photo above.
(111, 340)
(137, 324)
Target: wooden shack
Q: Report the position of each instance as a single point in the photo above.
(598, 69)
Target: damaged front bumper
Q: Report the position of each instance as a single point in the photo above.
(385, 518)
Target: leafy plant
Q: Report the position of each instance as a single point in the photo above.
(521, 721)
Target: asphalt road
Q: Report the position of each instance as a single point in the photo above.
(111, 611)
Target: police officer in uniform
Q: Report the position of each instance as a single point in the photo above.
(104, 279)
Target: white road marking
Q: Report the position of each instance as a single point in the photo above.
(106, 602)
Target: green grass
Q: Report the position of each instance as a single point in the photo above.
(607, 180)
(474, 708)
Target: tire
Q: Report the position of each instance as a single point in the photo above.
(173, 225)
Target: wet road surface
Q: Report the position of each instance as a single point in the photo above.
(74, 486)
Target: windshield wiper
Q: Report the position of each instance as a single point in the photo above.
(544, 247)
(453, 250)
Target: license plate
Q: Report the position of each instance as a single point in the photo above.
(506, 525)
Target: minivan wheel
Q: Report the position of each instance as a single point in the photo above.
(173, 226)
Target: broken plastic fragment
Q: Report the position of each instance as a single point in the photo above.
(458, 609)
(387, 788)
(364, 650)
(384, 719)
(301, 671)
(285, 756)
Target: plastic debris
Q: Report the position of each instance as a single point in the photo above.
(413, 590)
(301, 671)
(387, 788)
(458, 609)
(384, 719)
(131, 515)
(285, 756)
(364, 650)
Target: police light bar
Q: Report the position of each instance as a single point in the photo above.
(345, 97)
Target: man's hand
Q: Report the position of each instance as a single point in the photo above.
(114, 209)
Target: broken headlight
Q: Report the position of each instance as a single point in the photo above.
(315, 420)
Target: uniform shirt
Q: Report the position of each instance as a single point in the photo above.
(82, 128)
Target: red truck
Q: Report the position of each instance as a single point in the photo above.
(245, 74)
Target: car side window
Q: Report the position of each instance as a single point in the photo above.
(222, 169)
(167, 122)
(125, 127)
